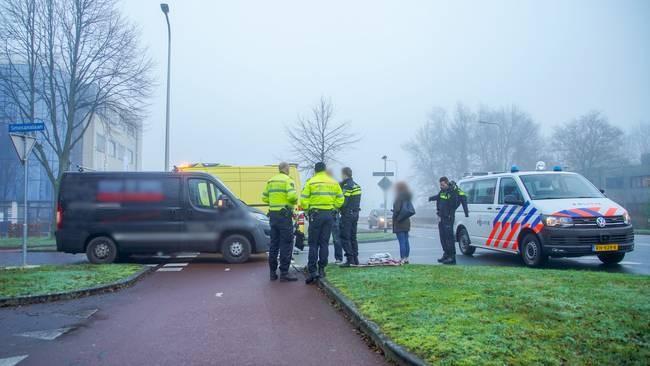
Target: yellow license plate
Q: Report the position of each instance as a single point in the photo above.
(605, 247)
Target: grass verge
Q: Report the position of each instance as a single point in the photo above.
(32, 243)
(490, 315)
(53, 279)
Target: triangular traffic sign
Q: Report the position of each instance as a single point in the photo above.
(23, 145)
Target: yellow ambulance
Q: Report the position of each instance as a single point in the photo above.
(247, 182)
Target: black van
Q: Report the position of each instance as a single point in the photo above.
(108, 215)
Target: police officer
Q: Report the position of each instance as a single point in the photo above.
(350, 217)
(320, 198)
(447, 201)
(336, 235)
(280, 195)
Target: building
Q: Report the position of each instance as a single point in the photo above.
(107, 144)
(630, 187)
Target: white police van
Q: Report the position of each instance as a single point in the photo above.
(541, 214)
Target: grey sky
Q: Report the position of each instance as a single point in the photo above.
(242, 70)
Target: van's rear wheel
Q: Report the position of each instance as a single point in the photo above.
(531, 251)
(236, 249)
(464, 243)
(101, 250)
(611, 258)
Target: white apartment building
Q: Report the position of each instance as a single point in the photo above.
(111, 147)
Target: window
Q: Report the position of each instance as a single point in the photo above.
(640, 182)
(468, 188)
(130, 156)
(120, 151)
(557, 186)
(100, 143)
(111, 148)
(507, 187)
(614, 182)
(483, 192)
(203, 193)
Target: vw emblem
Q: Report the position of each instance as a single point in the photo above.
(601, 222)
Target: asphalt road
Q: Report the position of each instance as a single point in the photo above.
(204, 313)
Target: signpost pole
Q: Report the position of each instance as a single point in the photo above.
(25, 205)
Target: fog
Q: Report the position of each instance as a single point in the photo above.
(243, 70)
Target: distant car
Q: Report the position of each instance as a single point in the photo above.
(376, 219)
(108, 215)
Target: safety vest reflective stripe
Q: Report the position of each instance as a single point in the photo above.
(280, 193)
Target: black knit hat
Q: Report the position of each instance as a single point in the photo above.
(319, 167)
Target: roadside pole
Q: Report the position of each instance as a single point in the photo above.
(385, 201)
(385, 185)
(23, 144)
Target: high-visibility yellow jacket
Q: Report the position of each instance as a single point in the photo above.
(280, 192)
(321, 192)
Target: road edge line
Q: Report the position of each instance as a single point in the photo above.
(75, 294)
(392, 351)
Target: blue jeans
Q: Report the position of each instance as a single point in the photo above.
(404, 246)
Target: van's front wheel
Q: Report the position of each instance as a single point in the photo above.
(101, 250)
(464, 243)
(236, 249)
(531, 251)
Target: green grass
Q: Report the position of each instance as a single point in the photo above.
(32, 242)
(518, 316)
(51, 279)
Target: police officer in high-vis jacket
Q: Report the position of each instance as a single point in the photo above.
(320, 198)
(280, 194)
(349, 217)
(447, 201)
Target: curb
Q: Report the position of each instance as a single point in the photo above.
(392, 351)
(58, 296)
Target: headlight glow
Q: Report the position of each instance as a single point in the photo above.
(627, 219)
(558, 221)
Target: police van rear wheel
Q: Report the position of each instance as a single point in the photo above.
(236, 249)
(531, 251)
(611, 258)
(101, 250)
(464, 243)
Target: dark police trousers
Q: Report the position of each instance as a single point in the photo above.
(320, 229)
(446, 229)
(348, 232)
(281, 240)
(336, 238)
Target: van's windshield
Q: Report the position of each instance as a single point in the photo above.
(557, 186)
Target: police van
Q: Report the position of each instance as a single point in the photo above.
(541, 214)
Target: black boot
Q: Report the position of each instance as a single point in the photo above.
(356, 260)
(274, 276)
(311, 278)
(450, 260)
(287, 277)
(321, 272)
(442, 259)
(348, 262)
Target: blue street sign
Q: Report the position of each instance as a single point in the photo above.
(26, 127)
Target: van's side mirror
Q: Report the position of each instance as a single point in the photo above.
(224, 202)
(511, 199)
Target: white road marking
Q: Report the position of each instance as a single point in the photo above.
(219, 294)
(227, 269)
(151, 265)
(46, 335)
(170, 269)
(175, 264)
(12, 361)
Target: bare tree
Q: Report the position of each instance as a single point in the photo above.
(83, 62)
(317, 137)
(638, 137)
(589, 142)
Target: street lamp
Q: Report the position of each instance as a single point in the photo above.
(505, 158)
(165, 10)
(385, 159)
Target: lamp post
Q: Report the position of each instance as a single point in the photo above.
(385, 159)
(503, 148)
(165, 9)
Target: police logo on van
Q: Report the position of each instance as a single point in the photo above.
(601, 222)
